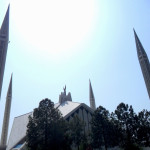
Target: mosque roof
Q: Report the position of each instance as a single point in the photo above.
(66, 107)
(18, 131)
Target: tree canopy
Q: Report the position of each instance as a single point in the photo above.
(76, 131)
(123, 128)
(102, 128)
(46, 128)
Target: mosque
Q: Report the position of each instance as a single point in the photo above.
(67, 107)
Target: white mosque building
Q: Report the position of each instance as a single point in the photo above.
(68, 109)
(66, 106)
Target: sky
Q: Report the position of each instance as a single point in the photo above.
(58, 43)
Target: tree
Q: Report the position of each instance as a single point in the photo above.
(143, 132)
(116, 136)
(76, 131)
(127, 120)
(102, 128)
(46, 128)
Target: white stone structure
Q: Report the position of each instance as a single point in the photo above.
(63, 97)
(6, 115)
(4, 40)
(68, 109)
(91, 97)
(144, 62)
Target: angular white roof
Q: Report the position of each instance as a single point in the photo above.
(66, 107)
(18, 131)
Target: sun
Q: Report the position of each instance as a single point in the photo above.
(53, 26)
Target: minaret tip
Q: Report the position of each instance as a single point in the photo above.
(8, 6)
(11, 77)
(144, 62)
(7, 12)
(91, 97)
(134, 32)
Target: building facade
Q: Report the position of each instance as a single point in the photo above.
(68, 109)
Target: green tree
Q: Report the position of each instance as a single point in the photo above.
(116, 135)
(143, 131)
(46, 128)
(102, 128)
(76, 131)
(128, 121)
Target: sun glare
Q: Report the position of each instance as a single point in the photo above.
(53, 26)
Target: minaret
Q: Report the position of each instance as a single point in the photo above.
(91, 97)
(6, 115)
(144, 62)
(4, 39)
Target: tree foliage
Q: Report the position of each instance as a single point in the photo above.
(102, 128)
(127, 120)
(76, 131)
(122, 128)
(143, 132)
(46, 128)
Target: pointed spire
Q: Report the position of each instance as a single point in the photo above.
(4, 38)
(6, 115)
(144, 62)
(91, 96)
(139, 47)
(4, 30)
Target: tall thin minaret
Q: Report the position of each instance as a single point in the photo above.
(6, 115)
(4, 39)
(144, 62)
(91, 97)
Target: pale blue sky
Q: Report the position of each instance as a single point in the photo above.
(68, 42)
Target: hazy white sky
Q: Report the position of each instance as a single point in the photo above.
(66, 42)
